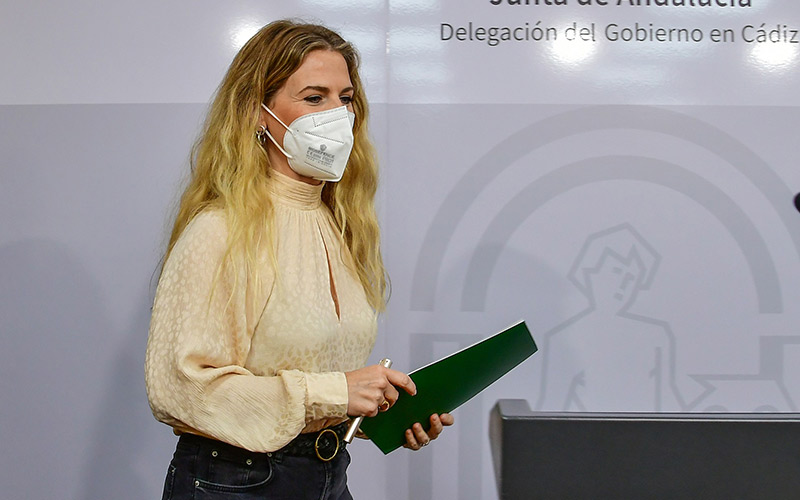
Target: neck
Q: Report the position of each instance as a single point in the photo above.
(279, 162)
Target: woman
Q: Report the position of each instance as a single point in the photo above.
(266, 307)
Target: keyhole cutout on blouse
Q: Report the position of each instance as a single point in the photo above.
(334, 296)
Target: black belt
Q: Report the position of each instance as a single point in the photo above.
(324, 444)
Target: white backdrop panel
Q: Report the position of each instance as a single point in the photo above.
(82, 51)
(653, 250)
(474, 51)
(631, 200)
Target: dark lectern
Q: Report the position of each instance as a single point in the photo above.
(542, 455)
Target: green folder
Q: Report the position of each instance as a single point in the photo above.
(446, 384)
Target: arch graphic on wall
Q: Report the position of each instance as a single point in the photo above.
(596, 118)
(591, 170)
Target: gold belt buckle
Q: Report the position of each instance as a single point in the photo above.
(316, 445)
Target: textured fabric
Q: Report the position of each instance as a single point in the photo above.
(255, 364)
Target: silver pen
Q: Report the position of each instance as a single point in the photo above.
(351, 432)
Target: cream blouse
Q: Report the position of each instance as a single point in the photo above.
(255, 364)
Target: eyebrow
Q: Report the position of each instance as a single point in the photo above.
(320, 88)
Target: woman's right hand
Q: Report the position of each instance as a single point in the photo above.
(369, 387)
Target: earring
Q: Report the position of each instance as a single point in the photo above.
(261, 134)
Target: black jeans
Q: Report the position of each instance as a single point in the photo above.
(205, 469)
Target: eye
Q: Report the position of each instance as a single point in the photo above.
(313, 99)
(346, 99)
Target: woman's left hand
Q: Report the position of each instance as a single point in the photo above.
(416, 437)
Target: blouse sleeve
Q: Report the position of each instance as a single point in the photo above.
(198, 346)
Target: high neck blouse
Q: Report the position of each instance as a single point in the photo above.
(255, 362)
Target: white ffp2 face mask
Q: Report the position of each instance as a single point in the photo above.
(318, 145)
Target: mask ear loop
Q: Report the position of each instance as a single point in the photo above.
(287, 155)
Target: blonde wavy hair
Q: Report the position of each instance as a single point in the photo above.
(230, 170)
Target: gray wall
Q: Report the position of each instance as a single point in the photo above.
(631, 200)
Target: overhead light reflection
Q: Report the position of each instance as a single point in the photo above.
(773, 56)
(339, 5)
(571, 52)
(243, 31)
(415, 6)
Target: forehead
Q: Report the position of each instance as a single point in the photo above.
(325, 68)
